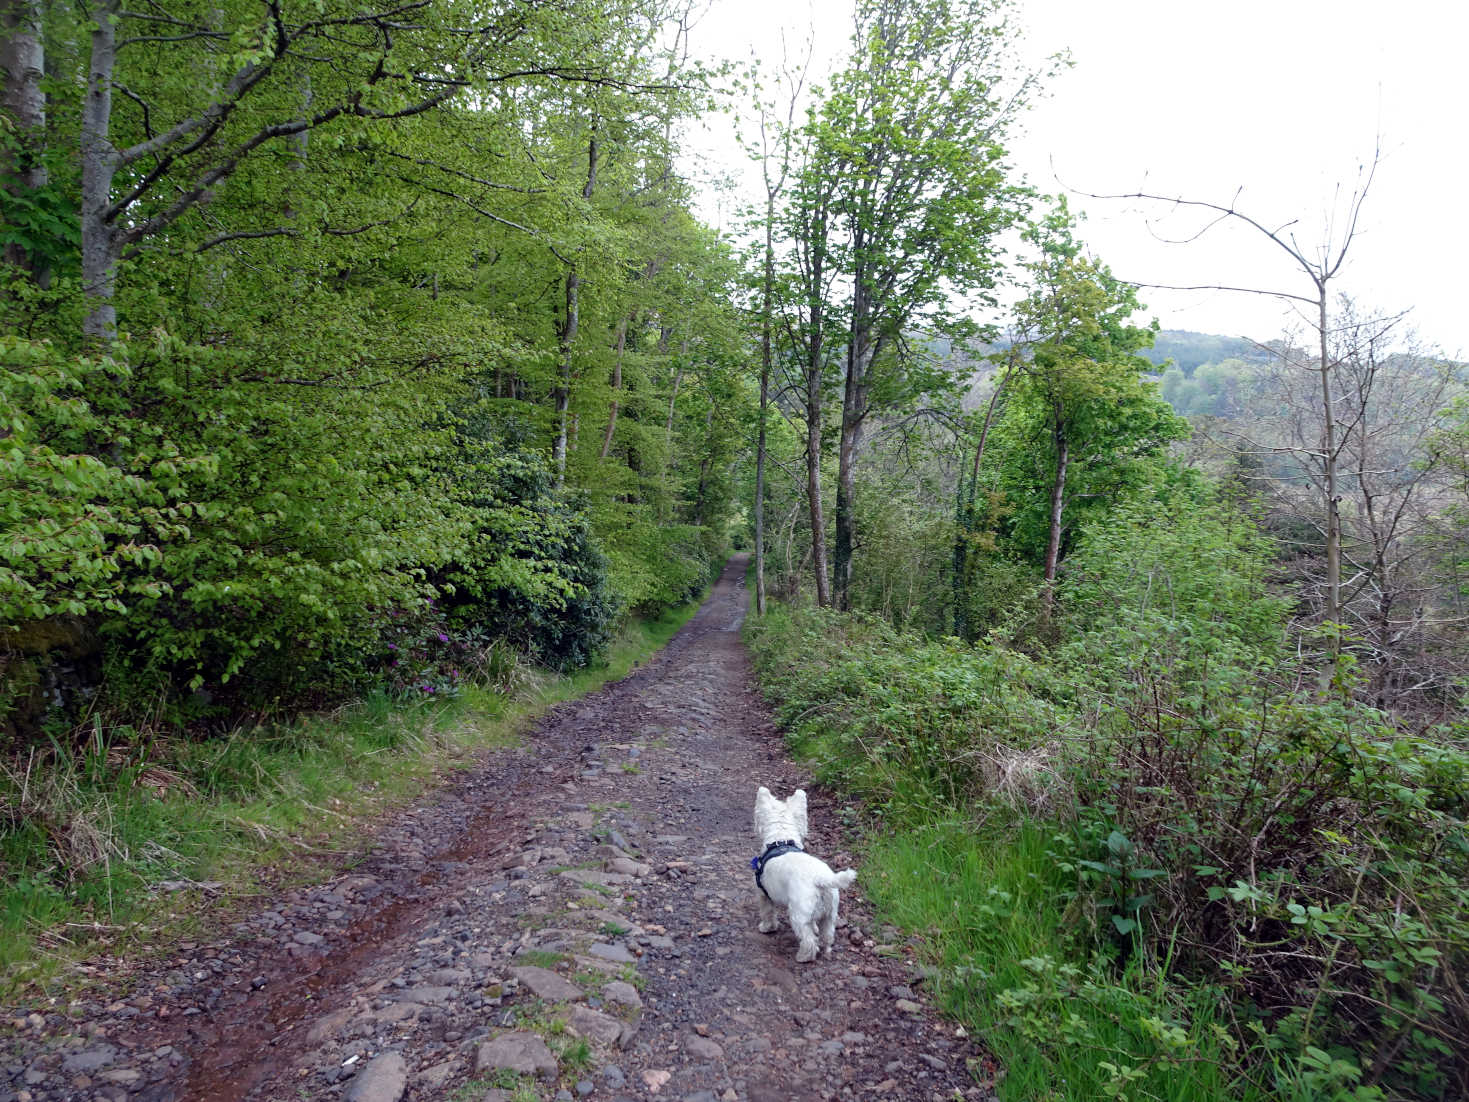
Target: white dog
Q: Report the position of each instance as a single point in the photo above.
(788, 876)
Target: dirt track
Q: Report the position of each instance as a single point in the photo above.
(511, 908)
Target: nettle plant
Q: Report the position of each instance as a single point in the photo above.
(1116, 882)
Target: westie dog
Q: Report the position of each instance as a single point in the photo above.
(789, 877)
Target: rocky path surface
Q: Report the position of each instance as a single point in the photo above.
(574, 919)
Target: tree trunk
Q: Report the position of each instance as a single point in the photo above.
(966, 518)
(760, 483)
(672, 405)
(813, 277)
(699, 494)
(616, 387)
(766, 361)
(813, 471)
(861, 351)
(99, 163)
(1058, 499)
(1333, 502)
(566, 336)
(22, 65)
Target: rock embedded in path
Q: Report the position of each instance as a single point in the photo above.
(89, 1060)
(623, 994)
(597, 877)
(427, 996)
(524, 1053)
(616, 953)
(601, 1028)
(628, 867)
(613, 1076)
(545, 984)
(383, 1080)
(703, 1048)
(433, 1078)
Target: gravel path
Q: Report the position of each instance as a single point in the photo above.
(574, 919)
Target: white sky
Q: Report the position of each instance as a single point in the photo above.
(1284, 99)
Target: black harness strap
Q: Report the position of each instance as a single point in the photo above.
(775, 849)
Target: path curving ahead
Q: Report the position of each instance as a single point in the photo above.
(510, 909)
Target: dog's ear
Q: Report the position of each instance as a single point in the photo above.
(797, 807)
(763, 799)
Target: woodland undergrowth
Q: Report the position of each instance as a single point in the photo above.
(1167, 854)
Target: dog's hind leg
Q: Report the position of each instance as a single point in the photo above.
(808, 950)
(769, 916)
(806, 933)
(829, 919)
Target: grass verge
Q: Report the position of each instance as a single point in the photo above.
(138, 840)
(1064, 1022)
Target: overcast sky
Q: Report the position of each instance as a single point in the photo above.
(1283, 99)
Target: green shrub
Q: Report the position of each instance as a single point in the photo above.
(655, 566)
(241, 544)
(531, 571)
(1231, 820)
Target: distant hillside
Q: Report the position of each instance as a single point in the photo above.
(1188, 349)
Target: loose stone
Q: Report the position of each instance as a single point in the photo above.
(383, 1080)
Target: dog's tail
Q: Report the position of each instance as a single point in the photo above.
(841, 880)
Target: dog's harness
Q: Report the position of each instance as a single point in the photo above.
(775, 849)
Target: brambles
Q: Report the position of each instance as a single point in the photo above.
(1226, 825)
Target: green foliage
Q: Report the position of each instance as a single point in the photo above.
(1220, 389)
(899, 722)
(41, 221)
(1079, 413)
(1263, 875)
(1002, 956)
(1179, 571)
(81, 534)
(325, 428)
(532, 572)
